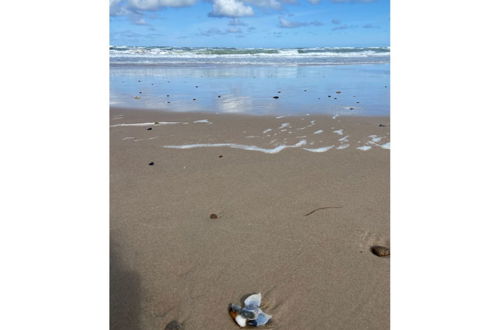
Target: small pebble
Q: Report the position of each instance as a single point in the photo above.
(220, 156)
(194, 99)
(151, 163)
(219, 96)
(381, 125)
(329, 96)
(380, 251)
(213, 216)
(276, 97)
(338, 92)
(174, 325)
(149, 128)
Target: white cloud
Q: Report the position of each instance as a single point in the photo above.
(124, 7)
(156, 4)
(284, 23)
(274, 4)
(230, 8)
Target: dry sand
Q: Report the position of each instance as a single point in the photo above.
(170, 261)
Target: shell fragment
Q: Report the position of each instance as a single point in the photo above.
(250, 314)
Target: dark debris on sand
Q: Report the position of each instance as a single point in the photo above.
(174, 325)
(380, 251)
(151, 163)
(213, 216)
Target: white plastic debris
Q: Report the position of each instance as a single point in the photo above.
(250, 314)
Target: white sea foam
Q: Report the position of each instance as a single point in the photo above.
(150, 124)
(321, 149)
(202, 121)
(364, 148)
(318, 131)
(385, 146)
(339, 131)
(267, 130)
(375, 138)
(343, 146)
(275, 150)
(344, 139)
(128, 138)
(284, 125)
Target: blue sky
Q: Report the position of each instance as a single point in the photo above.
(250, 23)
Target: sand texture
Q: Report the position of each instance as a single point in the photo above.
(295, 225)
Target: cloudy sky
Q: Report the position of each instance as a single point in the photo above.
(250, 23)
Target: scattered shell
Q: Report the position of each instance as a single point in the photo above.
(250, 314)
(380, 251)
(213, 216)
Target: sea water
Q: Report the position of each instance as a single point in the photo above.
(298, 81)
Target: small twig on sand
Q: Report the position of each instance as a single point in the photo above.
(322, 208)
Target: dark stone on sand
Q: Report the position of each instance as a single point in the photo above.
(380, 251)
(156, 123)
(276, 97)
(174, 325)
(329, 96)
(352, 108)
(194, 99)
(151, 163)
(304, 90)
(279, 92)
(220, 156)
(168, 102)
(357, 102)
(196, 86)
(381, 125)
(335, 98)
(167, 95)
(149, 128)
(338, 92)
(139, 81)
(140, 92)
(213, 216)
(219, 96)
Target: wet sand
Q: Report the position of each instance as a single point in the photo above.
(171, 262)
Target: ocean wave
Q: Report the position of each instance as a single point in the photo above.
(184, 55)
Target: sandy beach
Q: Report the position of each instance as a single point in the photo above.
(299, 203)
